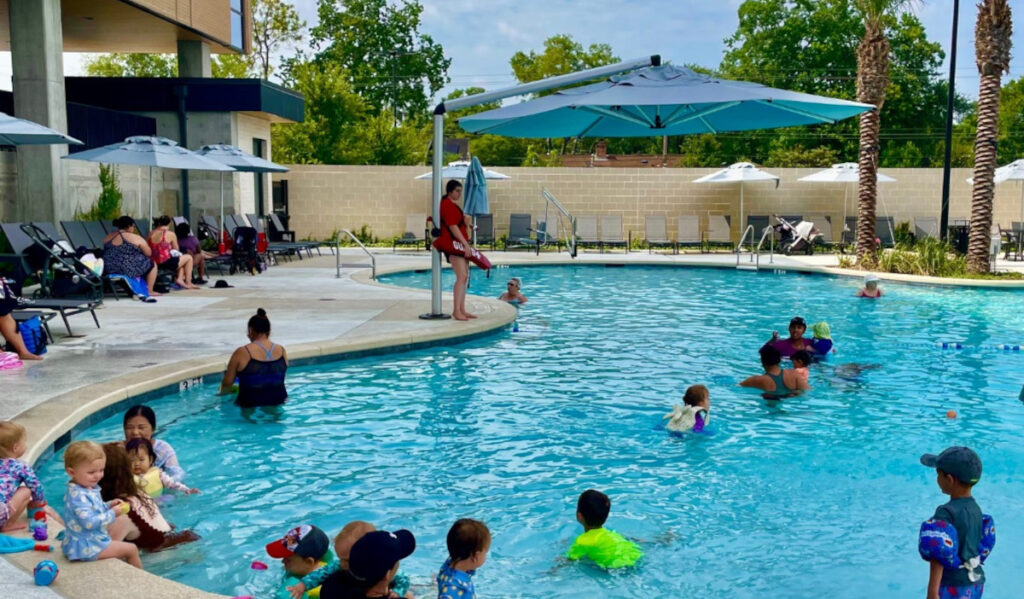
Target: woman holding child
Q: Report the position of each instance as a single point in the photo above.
(140, 422)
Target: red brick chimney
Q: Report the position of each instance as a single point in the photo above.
(601, 150)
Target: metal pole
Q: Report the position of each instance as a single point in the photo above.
(138, 199)
(151, 195)
(220, 231)
(944, 216)
(435, 256)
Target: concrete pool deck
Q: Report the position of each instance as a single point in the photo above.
(144, 347)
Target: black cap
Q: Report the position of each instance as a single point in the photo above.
(377, 552)
(961, 462)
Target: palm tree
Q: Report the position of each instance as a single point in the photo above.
(992, 50)
(872, 83)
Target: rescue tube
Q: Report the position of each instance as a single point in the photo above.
(457, 249)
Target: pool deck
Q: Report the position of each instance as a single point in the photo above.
(145, 347)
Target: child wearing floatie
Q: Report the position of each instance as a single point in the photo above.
(20, 488)
(692, 414)
(606, 548)
(151, 479)
(958, 539)
(334, 578)
(94, 529)
(301, 550)
(821, 343)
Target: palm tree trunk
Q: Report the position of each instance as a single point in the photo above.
(867, 188)
(984, 174)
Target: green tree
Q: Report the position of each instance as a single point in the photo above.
(561, 55)
(132, 65)
(496, 150)
(108, 205)
(275, 24)
(232, 66)
(378, 44)
(798, 156)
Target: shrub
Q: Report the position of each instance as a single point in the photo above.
(108, 205)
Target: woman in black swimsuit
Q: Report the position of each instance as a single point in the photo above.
(260, 368)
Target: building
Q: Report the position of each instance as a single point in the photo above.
(192, 108)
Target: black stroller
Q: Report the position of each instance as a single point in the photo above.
(244, 255)
(796, 238)
(58, 268)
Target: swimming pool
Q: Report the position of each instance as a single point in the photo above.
(822, 492)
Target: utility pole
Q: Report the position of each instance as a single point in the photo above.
(944, 213)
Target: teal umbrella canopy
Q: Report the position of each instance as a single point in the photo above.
(475, 193)
(661, 100)
(19, 132)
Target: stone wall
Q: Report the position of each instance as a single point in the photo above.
(325, 198)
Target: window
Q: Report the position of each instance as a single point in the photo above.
(236, 24)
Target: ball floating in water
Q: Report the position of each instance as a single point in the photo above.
(951, 414)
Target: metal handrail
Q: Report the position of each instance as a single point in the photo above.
(771, 245)
(337, 256)
(739, 246)
(570, 233)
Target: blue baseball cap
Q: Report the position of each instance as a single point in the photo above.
(961, 462)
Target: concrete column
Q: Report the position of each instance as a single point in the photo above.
(37, 59)
(193, 59)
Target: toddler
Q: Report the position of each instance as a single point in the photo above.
(468, 544)
(692, 415)
(604, 547)
(958, 538)
(87, 536)
(15, 498)
(801, 360)
(301, 551)
(336, 571)
(151, 479)
(822, 341)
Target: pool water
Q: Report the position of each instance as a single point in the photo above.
(820, 495)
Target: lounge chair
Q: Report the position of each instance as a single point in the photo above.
(586, 231)
(884, 231)
(415, 234)
(277, 231)
(485, 230)
(611, 232)
(547, 237)
(656, 233)
(688, 231)
(108, 226)
(520, 230)
(143, 226)
(719, 231)
(50, 229)
(274, 248)
(926, 226)
(96, 233)
(77, 236)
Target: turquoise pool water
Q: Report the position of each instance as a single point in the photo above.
(819, 496)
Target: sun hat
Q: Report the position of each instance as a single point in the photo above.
(821, 330)
(870, 278)
(961, 462)
(377, 552)
(303, 541)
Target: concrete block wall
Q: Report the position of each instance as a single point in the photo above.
(323, 198)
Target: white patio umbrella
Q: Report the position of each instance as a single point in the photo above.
(1011, 172)
(741, 172)
(151, 151)
(846, 172)
(239, 160)
(20, 132)
(459, 169)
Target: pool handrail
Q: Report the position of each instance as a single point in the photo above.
(739, 246)
(771, 245)
(337, 256)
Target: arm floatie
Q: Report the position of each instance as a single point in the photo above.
(988, 537)
(938, 541)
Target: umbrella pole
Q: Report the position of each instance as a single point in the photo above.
(138, 198)
(150, 194)
(1021, 202)
(741, 210)
(220, 231)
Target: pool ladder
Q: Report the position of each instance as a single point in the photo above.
(755, 253)
(337, 257)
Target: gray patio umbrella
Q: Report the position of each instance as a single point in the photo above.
(657, 101)
(151, 151)
(19, 132)
(475, 194)
(239, 160)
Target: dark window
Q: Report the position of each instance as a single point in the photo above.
(236, 24)
(259, 148)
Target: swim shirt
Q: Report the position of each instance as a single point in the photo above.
(606, 548)
(965, 515)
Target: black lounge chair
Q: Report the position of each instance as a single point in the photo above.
(656, 233)
(520, 231)
(77, 236)
(416, 233)
(485, 230)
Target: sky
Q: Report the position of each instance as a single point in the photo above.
(481, 36)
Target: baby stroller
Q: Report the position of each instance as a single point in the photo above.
(59, 268)
(244, 254)
(796, 238)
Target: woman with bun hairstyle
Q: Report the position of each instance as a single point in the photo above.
(126, 253)
(260, 368)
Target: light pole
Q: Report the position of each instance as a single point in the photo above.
(944, 215)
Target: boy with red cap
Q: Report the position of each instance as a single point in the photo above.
(301, 550)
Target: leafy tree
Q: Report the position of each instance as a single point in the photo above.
(132, 65)
(275, 24)
(108, 205)
(1011, 121)
(232, 66)
(798, 156)
(496, 150)
(561, 55)
(378, 44)
(383, 143)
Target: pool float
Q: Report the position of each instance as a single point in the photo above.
(938, 541)
(45, 573)
(684, 418)
(16, 545)
(450, 246)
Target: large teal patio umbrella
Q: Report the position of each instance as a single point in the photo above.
(660, 100)
(475, 193)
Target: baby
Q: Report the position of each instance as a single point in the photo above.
(468, 544)
(151, 479)
(692, 414)
(801, 360)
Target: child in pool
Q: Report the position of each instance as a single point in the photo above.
(692, 415)
(301, 550)
(870, 289)
(512, 294)
(801, 361)
(19, 486)
(822, 341)
(334, 579)
(468, 544)
(151, 479)
(95, 530)
(606, 548)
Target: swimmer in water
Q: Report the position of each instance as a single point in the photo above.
(512, 294)
(870, 289)
(692, 415)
